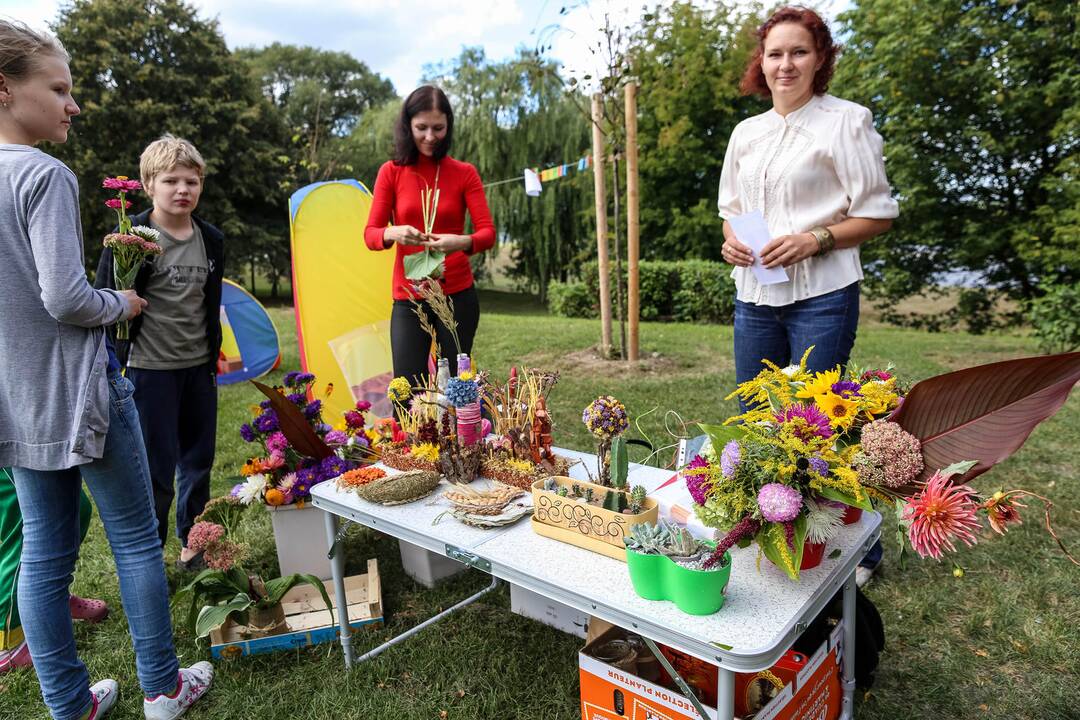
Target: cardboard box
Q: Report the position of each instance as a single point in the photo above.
(613, 693)
(308, 621)
(561, 617)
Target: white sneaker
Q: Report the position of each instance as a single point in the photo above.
(863, 575)
(194, 682)
(105, 694)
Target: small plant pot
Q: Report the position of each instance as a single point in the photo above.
(589, 526)
(695, 592)
(812, 555)
(852, 515)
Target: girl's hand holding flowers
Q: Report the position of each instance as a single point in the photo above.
(404, 235)
(448, 243)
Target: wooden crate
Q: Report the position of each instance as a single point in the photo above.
(308, 621)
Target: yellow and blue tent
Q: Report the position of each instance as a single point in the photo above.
(249, 340)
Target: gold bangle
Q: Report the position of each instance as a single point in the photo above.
(825, 239)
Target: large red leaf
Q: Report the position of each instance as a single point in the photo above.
(294, 425)
(985, 413)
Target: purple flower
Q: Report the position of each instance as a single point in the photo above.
(729, 458)
(306, 478)
(304, 378)
(247, 433)
(698, 487)
(807, 421)
(333, 466)
(290, 377)
(296, 398)
(336, 437)
(697, 462)
(311, 411)
(819, 466)
(267, 422)
(847, 389)
(235, 492)
(266, 404)
(779, 503)
(277, 442)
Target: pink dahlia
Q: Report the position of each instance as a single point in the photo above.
(779, 503)
(940, 513)
(806, 421)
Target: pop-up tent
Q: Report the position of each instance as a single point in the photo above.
(249, 340)
(341, 295)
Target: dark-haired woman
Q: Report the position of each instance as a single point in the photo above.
(422, 138)
(813, 166)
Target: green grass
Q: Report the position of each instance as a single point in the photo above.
(1002, 642)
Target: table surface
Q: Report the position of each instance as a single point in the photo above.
(764, 611)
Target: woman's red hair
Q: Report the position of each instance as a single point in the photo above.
(753, 80)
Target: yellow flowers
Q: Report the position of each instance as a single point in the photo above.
(399, 390)
(841, 411)
(821, 384)
(467, 375)
(425, 451)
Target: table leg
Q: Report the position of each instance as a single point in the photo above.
(337, 570)
(725, 694)
(848, 710)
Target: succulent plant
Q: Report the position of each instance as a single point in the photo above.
(563, 492)
(620, 463)
(637, 499)
(575, 490)
(588, 494)
(551, 484)
(679, 542)
(647, 538)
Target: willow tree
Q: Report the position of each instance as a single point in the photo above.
(513, 115)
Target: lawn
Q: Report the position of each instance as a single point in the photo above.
(1000, 642)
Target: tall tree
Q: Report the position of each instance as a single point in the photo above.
(971, 100)
(322, 94)
(509, 116)
(145, 67)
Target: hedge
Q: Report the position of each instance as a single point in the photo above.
(684, 291)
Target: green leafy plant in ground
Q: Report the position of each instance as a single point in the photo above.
(999, 643)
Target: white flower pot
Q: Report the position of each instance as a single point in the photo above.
(300, 536)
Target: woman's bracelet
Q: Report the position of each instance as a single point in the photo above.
(825, 239)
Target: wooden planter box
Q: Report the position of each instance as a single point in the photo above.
(307, 619)
(588, 526)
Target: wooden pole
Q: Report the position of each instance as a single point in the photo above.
(633, 228)
(601, 225)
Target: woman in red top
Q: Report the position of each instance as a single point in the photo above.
(422, 139)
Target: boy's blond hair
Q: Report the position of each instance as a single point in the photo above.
(166, 153)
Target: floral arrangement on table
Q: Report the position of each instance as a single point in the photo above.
(130, 245)
(297, 450)
(811, 444)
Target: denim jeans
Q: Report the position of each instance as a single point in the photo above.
(782, 334)
(119, 482)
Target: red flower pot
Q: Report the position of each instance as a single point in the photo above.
(812, 555)
(852, 515)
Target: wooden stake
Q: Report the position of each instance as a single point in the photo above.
(601, 225)
(633, 227)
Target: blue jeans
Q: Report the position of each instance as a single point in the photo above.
(782, 334)
(120, 485)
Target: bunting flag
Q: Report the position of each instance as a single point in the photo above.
(558, 171)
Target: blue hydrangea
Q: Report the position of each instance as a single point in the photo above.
(460, 393)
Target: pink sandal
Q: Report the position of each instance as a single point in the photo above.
(92, 611)
(18, 657)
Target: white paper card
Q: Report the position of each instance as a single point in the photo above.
(751, 230)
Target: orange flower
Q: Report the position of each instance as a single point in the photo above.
(360, 476)
(274, 497)
(251, 467)
(1001, 511)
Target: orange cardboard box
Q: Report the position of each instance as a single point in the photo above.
(811, 692)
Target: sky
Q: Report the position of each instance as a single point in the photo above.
(397, 38)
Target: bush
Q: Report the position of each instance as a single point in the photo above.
(1055, 319)
(685, 290)
(572, 299)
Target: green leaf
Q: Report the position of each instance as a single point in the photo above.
(620, 462)
(841, 496)
(422, 264)
(214, 616)
(276, 589)
(772, 539)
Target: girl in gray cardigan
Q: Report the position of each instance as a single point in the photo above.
(66, 413)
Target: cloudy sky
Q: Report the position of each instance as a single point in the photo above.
(397, 38)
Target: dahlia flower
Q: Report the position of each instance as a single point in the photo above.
(940, 513)
(779, 503)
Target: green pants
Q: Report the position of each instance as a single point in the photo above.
(11, 552)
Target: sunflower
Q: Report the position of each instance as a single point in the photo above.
(841, 411)
(821, 383)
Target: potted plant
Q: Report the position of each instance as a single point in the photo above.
(666, 562)
(579, 513)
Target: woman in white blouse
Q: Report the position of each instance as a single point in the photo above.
(813, 166)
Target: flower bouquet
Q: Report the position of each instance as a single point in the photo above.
(812, 443)
(130, 245)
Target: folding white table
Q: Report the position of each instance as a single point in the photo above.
(763, 614)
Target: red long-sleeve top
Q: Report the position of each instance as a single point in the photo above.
(397, 201)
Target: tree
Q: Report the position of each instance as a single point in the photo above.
(971, 100)
(142, 68)
(509, 116)
(688, 61)
(323, 95)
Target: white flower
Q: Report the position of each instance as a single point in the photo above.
(146, 233)
(790, 370)
(823, 520)
(287, 482)
(253, 489)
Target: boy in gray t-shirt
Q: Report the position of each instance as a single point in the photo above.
(172, 355)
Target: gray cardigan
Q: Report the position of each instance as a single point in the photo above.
(54, 392)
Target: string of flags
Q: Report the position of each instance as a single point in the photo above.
(534, 177)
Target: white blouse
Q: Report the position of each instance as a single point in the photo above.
(817, 166)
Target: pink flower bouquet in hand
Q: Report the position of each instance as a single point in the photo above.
(130, 245)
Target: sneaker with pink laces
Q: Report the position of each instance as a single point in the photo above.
(92, 611)
(193, 683)
(17, 657)
(105, 693)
